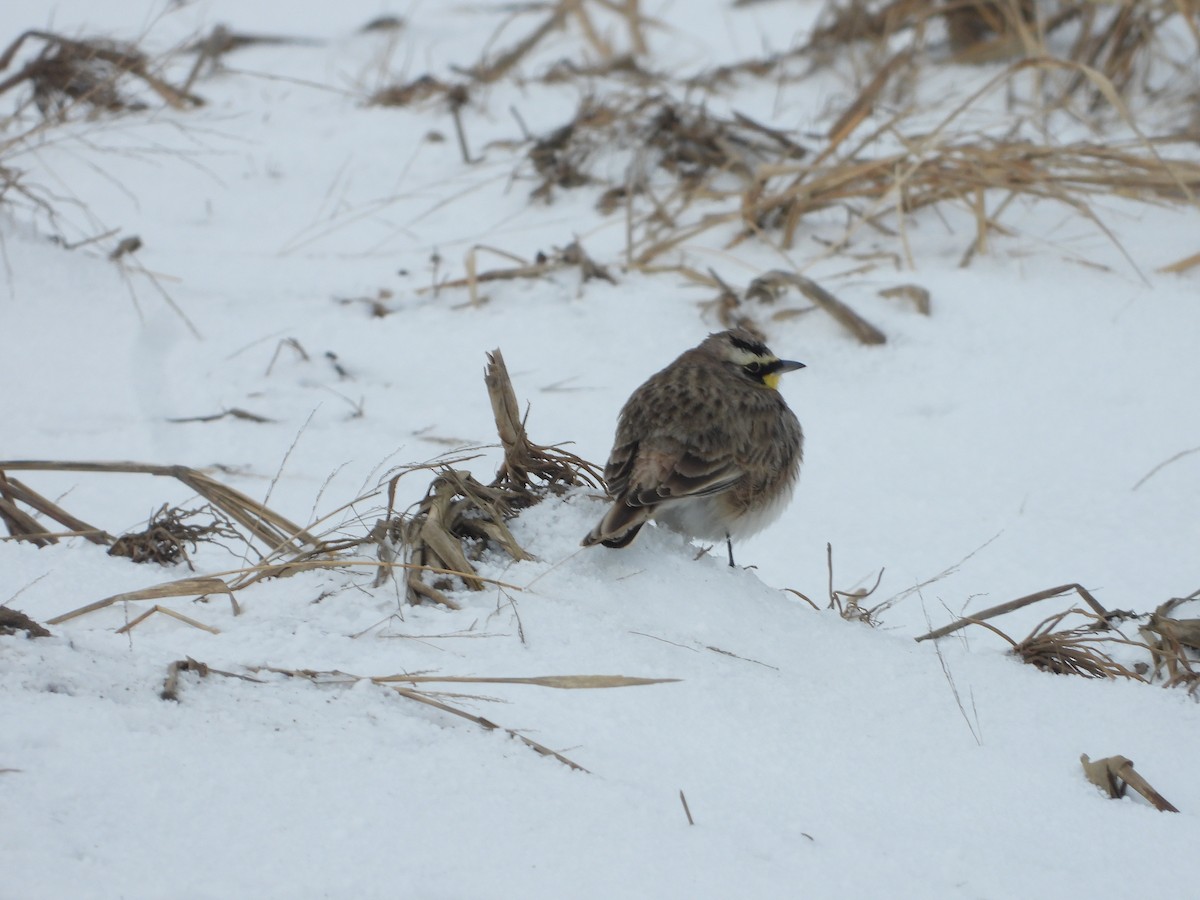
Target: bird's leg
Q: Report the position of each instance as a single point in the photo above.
(729, 547)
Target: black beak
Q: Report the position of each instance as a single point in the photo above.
(786, 365)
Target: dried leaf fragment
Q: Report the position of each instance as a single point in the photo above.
(1113, 774)
(769, 286)
(13, 620)
(917, 295)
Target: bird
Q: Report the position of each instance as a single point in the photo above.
(707, 446)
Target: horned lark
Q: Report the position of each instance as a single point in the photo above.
(707, 446)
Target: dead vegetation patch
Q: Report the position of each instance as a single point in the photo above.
(1115, 774)
(683, 174)
(437, 542)
(1093, 645)
(570, 256)
(1121, 41)
(260, 523)
(169, 533)
(222, 40)
(406, 686)
(459, 518)
(13, 620)
(689, 143)
(90, 72)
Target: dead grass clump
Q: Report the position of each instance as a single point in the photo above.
(943, 170)
(584, 15)
(979, 29)
(530, 470)
(459, 517)
(411, 92)
(259, 521)
(1120, 41)
(1080, 650)
(13, 620)
(1172, 644)
(1071, 651)
(759, 184)
(169, 533)
(571, 256)
(691, 144)
(441, 537)
(67, 72)
(444, 532)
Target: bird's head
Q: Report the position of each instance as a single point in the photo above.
(750, 357)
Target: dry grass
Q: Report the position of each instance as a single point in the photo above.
(459, 517)
(686, 141)
(692, 174)
(260, 523)
(1089, 647)
(169, 533)
(1081, 650)
(68, 73)
(400, 685)
(1174, 646)
(570, 256)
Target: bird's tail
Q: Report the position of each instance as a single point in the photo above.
(619, 526)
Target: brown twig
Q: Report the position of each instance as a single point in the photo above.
(1019, 603)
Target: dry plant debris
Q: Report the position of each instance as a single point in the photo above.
(1071, 651)
(68, 72)
(170, 531)
(723, 172)
(289, 549)
(1174, 646)
(1120, 41)
(261, 523)
(1114, 774)
(170, 613)
(233, 412)
(1013, 605)
(571, 256)
(683, 174)
(459, 517)
(530, 469)
(848, 604)
(222, 40)
(13, 620)
(745, 309)
(24, 527)
(561, 13)
(1086, 649)
(417, 90)
(943, 169)
(686, 141)
(397, 683)
(914, 293)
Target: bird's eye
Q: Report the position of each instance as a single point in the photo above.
(753, 368)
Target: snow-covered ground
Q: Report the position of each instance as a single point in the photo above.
(992, 449)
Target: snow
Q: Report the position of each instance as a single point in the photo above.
(996, 443)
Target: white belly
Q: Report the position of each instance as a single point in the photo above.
(707, 518)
